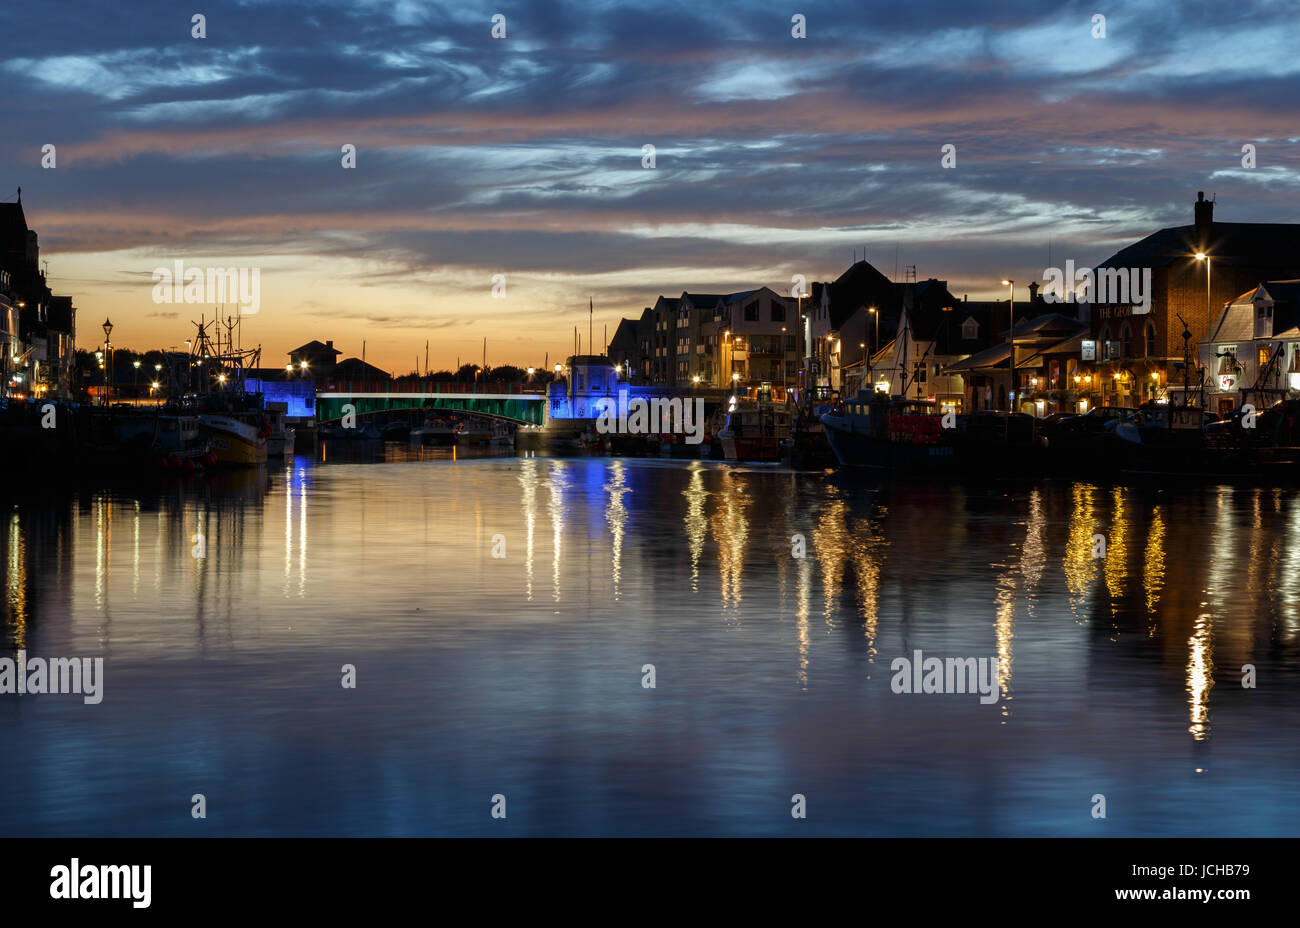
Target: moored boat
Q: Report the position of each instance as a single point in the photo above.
(876, 431)
(435, 431)
(236, 439)
(754, 431)
(280, 442)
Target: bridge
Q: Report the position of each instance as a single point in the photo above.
(506, 401)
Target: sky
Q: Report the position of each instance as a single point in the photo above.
(523, 156)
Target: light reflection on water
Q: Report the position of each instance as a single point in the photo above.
(522, 674)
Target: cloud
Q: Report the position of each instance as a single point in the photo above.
(523, 155)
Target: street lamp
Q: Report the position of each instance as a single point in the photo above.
(1011, 360)
(108, 369)
(1202, 256)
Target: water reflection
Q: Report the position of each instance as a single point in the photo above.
(692, 566)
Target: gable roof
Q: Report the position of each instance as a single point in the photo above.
(356, 369)
(314, 347)
(1241, 244)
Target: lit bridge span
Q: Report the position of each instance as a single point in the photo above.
(518, 407)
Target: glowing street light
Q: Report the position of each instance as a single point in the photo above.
(1011, 323)
(1202, 256)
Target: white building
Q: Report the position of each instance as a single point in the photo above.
(1252, 354)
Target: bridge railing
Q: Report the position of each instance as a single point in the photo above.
(432, 387)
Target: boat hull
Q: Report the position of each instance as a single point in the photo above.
(766, 448)
(235, 443)
(280, 446)
(855, 449)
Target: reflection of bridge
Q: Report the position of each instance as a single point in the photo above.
(522, 408)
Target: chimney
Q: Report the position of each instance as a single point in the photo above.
(1204, 220)
(1033, 291)
(330, 343)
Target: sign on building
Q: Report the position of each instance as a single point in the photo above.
(1089, 352)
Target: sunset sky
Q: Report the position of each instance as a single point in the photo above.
(522, 156)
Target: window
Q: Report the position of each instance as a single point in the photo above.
(970, 329)
(1264, 321)
(1125, 341)
(778, 312)
(1151, 340)
(919, 368)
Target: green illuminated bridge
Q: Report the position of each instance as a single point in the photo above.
(519, 407)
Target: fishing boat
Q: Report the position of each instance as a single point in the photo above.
(472, 434)
(237, 439)
(503, 435)
(231, 418)
(809, 445)
(280, 443)
(435, 431)
(137, 436)
(754, 431)
(877, 431)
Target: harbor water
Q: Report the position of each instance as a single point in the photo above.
(504, 618)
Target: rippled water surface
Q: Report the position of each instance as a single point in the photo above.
(521, 675)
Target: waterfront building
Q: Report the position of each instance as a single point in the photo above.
(320, 358)
(41, 338)
(625, 352)
(702, 339)
(357, 371)
(1252, 352)
(746, 338)
(1046, 349)
(1236, 256)
(852, 321)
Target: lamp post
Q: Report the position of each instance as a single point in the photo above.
(875, 346)
(108, 362)
(1011, 344)
(1202, 256)
(799, 315)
